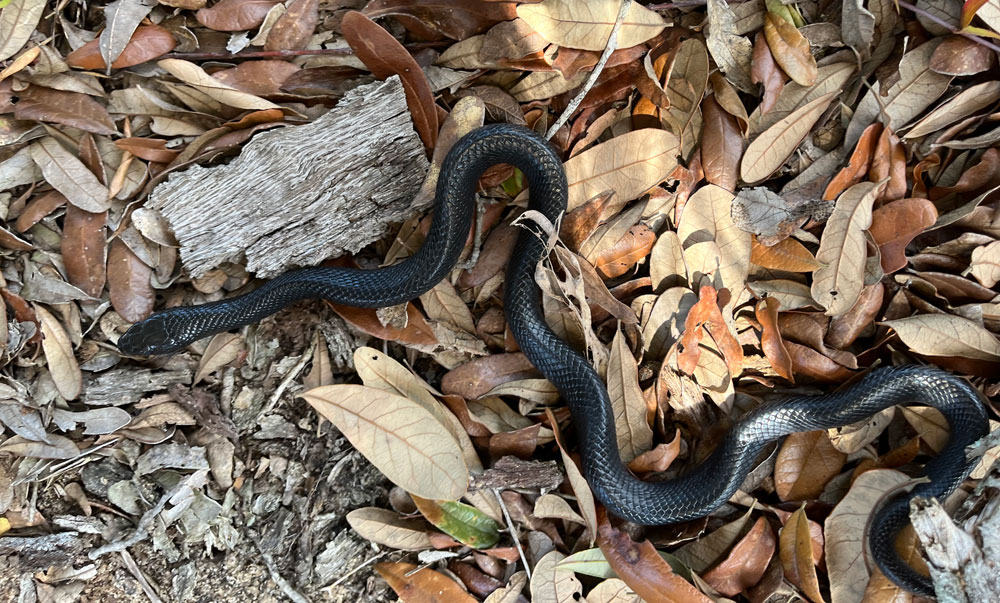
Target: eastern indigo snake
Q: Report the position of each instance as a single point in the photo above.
(694, 494)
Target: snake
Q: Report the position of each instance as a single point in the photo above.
(695, 493)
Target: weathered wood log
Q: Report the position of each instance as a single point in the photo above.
(298, 195)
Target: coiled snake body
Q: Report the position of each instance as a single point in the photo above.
(692, 495)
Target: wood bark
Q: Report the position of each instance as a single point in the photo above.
(298, 195)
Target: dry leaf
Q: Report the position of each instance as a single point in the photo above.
(421, 585)
(746, 563)
(586, 24)
(946, 335)
(772, 147)
(59, 355)
(806, 462)
(790, 49)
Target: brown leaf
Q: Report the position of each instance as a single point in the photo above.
(766, 71)
(706, 315)
(958, 55)
(38, 208)
(68, 108)
(889, 162)
(744, 566)
(59, 355)
(799, 554)
(150, 149)
(578, 224)
(415, 331)
(84, 250)
(261, 77)
(423, 586)
(844, 329)
(659, 458)
(294, 27)
(983, 175)
(629, 250)
(770, 340)
(642, 568)
(807, 361)
(805, 463)
(384, 57)
(456, 19)
(235, 15)
(148, 42)
(131, 293)
(787, 254)
(721, 145)
(790, 49)
(474, 379)
(897, 223)
(858, 166)
(481, 584)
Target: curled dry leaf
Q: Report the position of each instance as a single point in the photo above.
(633, 247)
(59, 355)
(772, 147)
(706, 315)
(148, 42)
(766, 71)
(587, 25)
(150, 149)
(805, 463)
(770, 340)
(732, 52)
(790, 49)
(786, 254)
(985, 264)
(222, 349)
(634, 433)
(385, 57)
(842, 251)
(421, 585)
(858, 165)
(745, 565)
(897, 223)
(399, 436)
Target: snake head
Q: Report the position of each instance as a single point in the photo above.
(151, 336)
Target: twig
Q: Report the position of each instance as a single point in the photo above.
(944, 23)
(608, 49)
(141, 529)
(367, 562)
(292, 374)
(147, 588)
(510, 528)
(278, 54)
(272, 568)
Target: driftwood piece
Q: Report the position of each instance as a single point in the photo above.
(296, 196)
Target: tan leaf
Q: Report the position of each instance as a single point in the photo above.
(837, 284)
(443, 303)
(59, 355)
(707, 217)
(551, 506)
(805, 463)
(666, 262)
(625, 253)
(946, 335)
(550, 583)
(629, 164)
(612, 590)
(790, 49)
(196, 76)
(685, 89)
(845, 532)
(131, 293)
(387, 528)
(797, 554)
(69, 176)
(539, 85)
(776, 144)
(18, 21)
(222, 349)
(917, 88)
(586, 24)
(986, 264)
(732, 52)
(399, 436)
(963, 104)
(634, 433)
(792, 295)
(830, 78)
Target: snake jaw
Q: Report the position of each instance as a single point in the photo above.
(149, 337)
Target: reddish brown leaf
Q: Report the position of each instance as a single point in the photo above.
(477, 377)
(150, 149)
(805, 463)
(765, 70)
(9, 240)
(68, 108)
(84, 250)
(258, 77)
(770, 339)
(721, 145)
(580, 223)
(38, 208)
(520, 443)
(983, 175)
(807, 361)
(857, 168)
(148, 42)
(456, 19)
(23, 312)
(235, 15)
(895, 224)
(889, 161)
(424, 586)
(659, 458)
(132, 295)
(476, 581)
(623, 255)
(847, 327)
(416, 330)
(641, 567)
(706, 315)
(384, 57)
(790, 49)
(958, 55)
(294, 28)
(460, 408)
(744, 566)
(787, 254)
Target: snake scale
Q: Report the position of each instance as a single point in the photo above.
(695, 493)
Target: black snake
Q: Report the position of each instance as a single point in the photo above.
(694, 494)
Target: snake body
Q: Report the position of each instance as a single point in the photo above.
(694, 494)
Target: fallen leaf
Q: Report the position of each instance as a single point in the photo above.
(59, 355)
(62, 107)
(786, 254)
(147, 43)
(84, 249)
(462, 522)
(629, 250)
(17, 22)
(985, 266)
(421, 585)
(721, 145)
(946, 335)
(744, 566)
(387, 528)
(772, 147)
(415, 331)
(897, 223)
(790, 49)
(770, 340)
(70, 176)
(858, 165)
(958, 55)
(235, 15)
(587, 24)
(634, 433)
(456, 19)
(399, 436)
(732, 52)
(552, 584)
(765, 70)
(806, 462)
(966, 102)
(798, 558)
(129, 286)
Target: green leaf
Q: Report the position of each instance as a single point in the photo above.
(464, 523)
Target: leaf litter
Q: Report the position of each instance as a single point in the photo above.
(764, 197)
